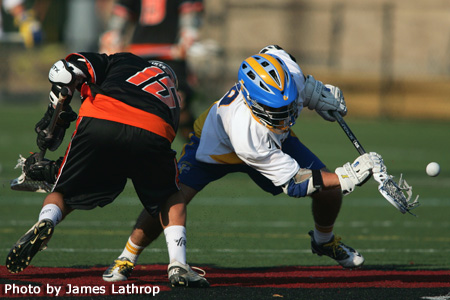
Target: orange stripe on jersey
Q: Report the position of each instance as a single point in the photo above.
(162, 51)
(107, 108)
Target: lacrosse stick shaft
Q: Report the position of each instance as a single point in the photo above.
(51, 127)
(348, 132)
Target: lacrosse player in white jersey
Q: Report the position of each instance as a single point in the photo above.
(249, 130)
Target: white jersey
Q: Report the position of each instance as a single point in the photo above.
(230, 134)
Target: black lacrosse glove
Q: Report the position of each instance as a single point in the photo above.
(44, 141)
(44, 170)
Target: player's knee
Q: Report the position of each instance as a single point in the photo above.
(334, 194)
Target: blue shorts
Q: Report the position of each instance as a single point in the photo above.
(197, 175)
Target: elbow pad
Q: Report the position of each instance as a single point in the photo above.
(304, 183)
(64, 74)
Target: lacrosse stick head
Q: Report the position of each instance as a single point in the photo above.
(399, 195)
(22, 183)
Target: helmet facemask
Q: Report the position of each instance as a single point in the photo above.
(279, 119)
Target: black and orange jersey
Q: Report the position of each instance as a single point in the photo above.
(157, 24)
(127, 89)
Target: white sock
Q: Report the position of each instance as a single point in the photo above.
(52, 212)
(176, 243)
(131, 251)
(322, 237)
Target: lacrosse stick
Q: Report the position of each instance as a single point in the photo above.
(22, 183)
(399, 195)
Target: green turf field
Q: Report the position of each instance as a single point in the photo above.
(234, 224)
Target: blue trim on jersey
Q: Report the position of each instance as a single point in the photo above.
(197, 175)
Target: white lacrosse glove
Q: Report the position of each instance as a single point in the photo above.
(323, 98)
(358, 173)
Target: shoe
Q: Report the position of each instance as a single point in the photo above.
(21, 254)
(346, 256)
(119, 270)
(183, 275)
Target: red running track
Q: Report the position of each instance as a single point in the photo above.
(88, 281)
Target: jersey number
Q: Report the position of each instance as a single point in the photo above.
(152, 12)
(161, 87)
(229, 97)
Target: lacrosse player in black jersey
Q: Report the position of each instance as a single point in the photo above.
(125, 127)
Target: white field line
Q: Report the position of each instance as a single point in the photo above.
(280, 200)
(126, 225)
(236, 251)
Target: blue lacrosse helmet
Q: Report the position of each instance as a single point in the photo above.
(269, 90)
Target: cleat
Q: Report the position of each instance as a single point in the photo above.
(119, 270)
(184, 276)
(346, 256)
(34, 240)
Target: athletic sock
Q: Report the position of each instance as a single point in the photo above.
(52, 212)
(323, 234)
(131, 251)
(176, 243)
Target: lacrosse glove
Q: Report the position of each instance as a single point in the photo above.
(44, 170)
(49, 140)
(359, 172)
(323, 98)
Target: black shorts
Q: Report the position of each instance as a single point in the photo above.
(103, 154)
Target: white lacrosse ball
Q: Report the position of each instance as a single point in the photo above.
(433, 169)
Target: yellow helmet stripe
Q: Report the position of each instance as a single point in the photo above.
(263, 73)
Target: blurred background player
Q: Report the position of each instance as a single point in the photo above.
(249, 131)
(162, 30)
(127, 122)
(25, 20)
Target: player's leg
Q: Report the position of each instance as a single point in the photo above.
(37, 237)
(325, 209)
(173, 217)
(146, 230)
(86, 167)
(155, 179)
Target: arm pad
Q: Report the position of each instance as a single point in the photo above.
(304, 183)
(61, 74)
